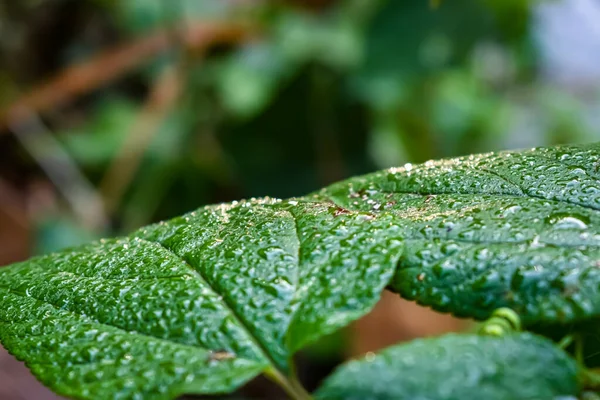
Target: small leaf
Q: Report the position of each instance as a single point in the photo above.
(456, 367)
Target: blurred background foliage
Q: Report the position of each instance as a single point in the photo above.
(119, 113)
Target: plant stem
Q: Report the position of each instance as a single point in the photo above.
(579, 356)
(291, 385)
(565, 342)
(591, 379)
(299, 388)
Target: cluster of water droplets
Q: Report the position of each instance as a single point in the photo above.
(118, 311)
(524, 229)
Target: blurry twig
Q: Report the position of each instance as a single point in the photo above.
(88, 75)
(60, 169)
(10, 199)
(122, 170)
(161, 99)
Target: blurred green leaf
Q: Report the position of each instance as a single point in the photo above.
(59, 232)
(144, 15)
(332, 41)
(385, 145)
(98, 140)
(456, 367)
(249, 78)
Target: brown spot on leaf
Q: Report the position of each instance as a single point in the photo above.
(390, 204)
(570, 290)
(221, 355)
(340, 211)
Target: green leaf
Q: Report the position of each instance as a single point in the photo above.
(97, 142)
(154, 313)
(249, 79)
(138, 16)
(115, 319)
(456, 367)
(205, 302)
(512, 229)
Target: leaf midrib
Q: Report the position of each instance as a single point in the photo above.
(257, 343)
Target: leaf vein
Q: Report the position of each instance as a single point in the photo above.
(95, 321)
(223, 300)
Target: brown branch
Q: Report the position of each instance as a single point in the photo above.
(61, 169)
(86, 76)
(124, 166)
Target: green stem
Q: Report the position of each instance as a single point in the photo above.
(579, 350)
(291, 385)
(565, 342)
(591, 379)
(299, 388)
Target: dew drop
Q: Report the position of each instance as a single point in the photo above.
(568, 221)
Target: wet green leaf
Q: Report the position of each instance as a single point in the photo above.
(456, 367)
(511, 229)
(254, 280)
(207, 301)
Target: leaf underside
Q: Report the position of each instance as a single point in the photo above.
(458, 367)
(204, 302)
